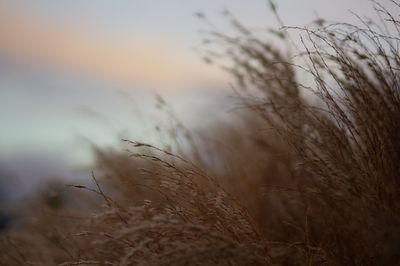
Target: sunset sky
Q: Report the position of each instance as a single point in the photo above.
(80, 72)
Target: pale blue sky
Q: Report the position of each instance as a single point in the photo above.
(48, 109)
(175, 17)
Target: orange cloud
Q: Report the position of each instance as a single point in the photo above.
(141, 61)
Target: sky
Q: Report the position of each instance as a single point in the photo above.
(77, 73)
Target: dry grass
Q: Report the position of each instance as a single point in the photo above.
(309, 175)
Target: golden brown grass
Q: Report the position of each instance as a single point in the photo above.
(309, 174)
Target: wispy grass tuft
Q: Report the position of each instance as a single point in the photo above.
(309, 173)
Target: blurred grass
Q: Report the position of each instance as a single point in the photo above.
(307, 175)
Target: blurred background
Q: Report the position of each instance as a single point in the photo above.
(81, 74)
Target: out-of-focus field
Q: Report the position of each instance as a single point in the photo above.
(304, 172)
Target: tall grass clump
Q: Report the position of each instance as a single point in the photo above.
(308, 173)
(342, 127)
